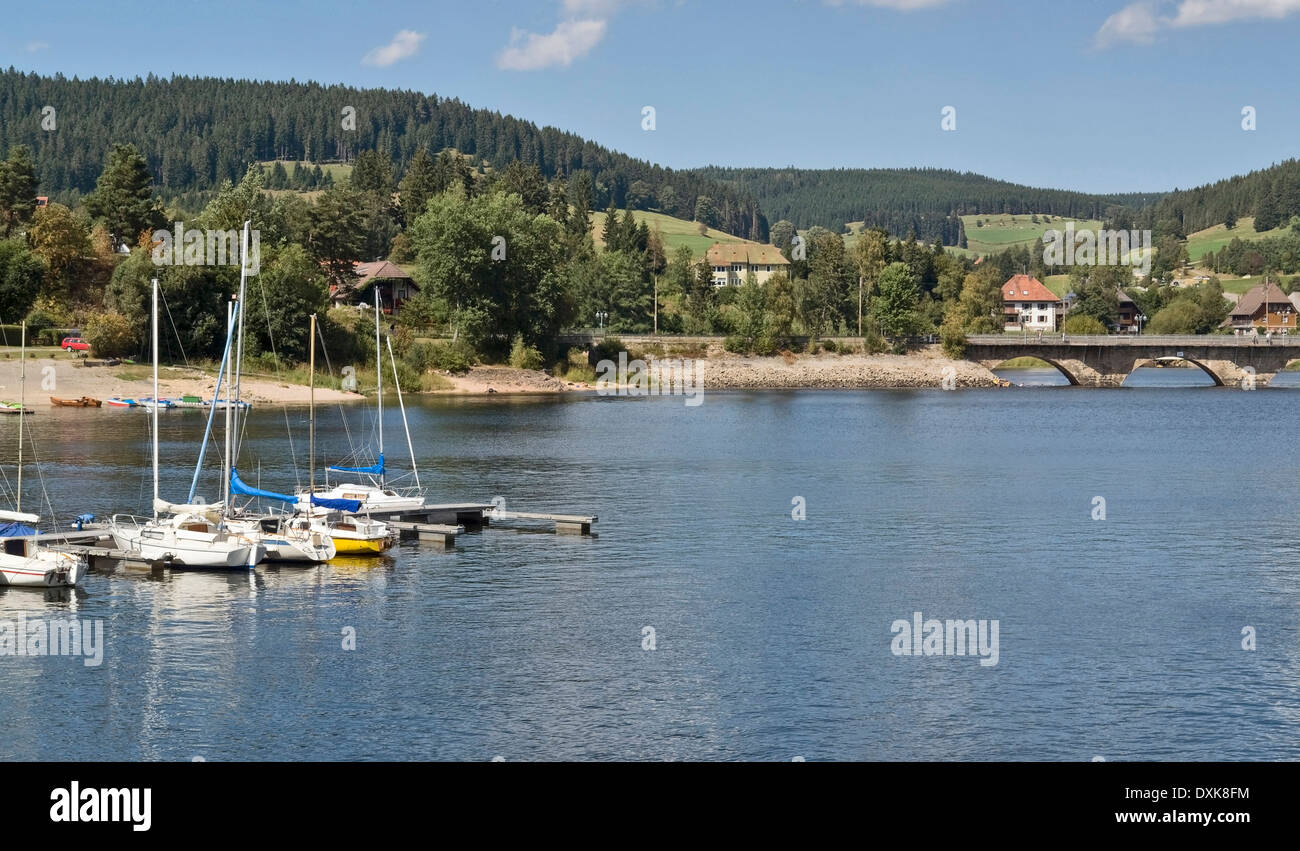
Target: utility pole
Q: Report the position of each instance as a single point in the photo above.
(656, 280)
(859, 305)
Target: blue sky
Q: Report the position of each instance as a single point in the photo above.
(1097, 95)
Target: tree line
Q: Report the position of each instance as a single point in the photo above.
(197, 132)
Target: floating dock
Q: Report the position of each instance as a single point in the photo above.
(438, 519)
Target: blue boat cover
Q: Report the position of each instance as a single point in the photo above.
(352, 505)
(14, 530)
(237, 486)
(374, 470)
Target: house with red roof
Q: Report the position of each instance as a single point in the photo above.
(1028, 305)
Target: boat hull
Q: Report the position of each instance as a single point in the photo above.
(49, 570)
(230, 554)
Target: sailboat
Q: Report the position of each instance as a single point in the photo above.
(337, 517)
(284, 536)
(23, 562)
(192, 535)
(374, 494)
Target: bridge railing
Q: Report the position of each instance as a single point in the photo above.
(1189, 340)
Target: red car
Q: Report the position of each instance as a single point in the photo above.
(74, 344)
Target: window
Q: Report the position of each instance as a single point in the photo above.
(1042, 318)
(735, 267)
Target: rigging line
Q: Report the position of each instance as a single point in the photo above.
(270, 335)
(330, 367)
(40, 474)
(175, 330)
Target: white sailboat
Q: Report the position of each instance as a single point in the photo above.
(374, 494)
(193, 535)
(284, 536)
(23, 562)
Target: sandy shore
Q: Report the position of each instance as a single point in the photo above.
(927, 367)
(67, 379)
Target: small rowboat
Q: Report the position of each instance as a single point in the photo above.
(8, 407)
(83, 402)
(119, 402)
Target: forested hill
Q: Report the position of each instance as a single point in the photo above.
(196, 132)
(923, 199)
(1271, 195)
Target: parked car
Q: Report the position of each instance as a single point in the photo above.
(74, 344)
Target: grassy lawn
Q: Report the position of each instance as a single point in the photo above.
(1215, 238)
(339, 171)
(1004, 231)
(676, 232)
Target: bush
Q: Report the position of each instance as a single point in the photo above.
(608, 349)
(874, 343)
(735, 345)
(1082, 325)
(523, 356)
(111, 335)
(453, 357)
(765, 345)
(953, 341)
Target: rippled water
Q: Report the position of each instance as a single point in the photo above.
(1118, 637)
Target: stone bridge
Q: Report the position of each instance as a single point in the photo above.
(1105, 361)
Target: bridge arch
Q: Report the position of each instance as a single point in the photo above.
(1055, 364)
(1214, 376)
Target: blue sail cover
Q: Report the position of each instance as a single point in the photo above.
(350, 505)
(375, 470)
(237, 486)
(16, 530)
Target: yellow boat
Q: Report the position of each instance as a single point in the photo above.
(355, 536)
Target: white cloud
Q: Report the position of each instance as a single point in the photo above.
(34, 46)
(1139, 22)
(571, 40)
(403, 46)
(1136, 23)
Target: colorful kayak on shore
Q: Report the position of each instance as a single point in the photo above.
(119, 402)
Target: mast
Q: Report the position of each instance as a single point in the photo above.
(225, 466)
(22, 403)
(239, 346)
(398, 384)
(379, 380)
(155, 398)
(311, 415)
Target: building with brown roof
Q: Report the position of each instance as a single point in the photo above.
(1028, 305)
(1265, 308)
(395, 286)
(732, 261)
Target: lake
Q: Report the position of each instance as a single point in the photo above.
(773, 637)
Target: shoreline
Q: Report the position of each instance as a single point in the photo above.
(922, 368)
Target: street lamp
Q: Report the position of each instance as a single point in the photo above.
(1141, 317)
(601, 316)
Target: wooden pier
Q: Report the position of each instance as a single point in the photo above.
(428, 533)
(478, 515)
